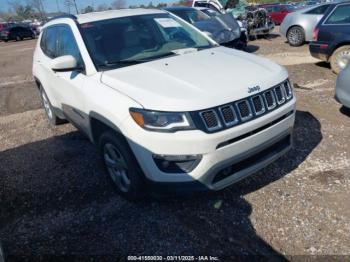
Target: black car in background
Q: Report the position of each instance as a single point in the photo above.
(16, 33)
(332, 37)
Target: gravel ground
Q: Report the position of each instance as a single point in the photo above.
(56, 198)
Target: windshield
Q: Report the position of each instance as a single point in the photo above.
(190, 15)
(137, 39)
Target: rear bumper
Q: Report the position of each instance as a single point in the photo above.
(319, 51)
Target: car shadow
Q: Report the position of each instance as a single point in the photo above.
(252, 48)
(345, 111)
(56, 199)
(323, 64)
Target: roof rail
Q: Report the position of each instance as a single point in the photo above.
(64, 16)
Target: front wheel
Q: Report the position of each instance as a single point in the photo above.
(296, 36)
(121, 165)
(340, 58)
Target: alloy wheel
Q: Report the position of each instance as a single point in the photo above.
(343, 58)
(295, 36)
(117, 167)
(47, 106)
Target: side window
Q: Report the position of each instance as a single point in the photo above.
(67, 44)
(270, 9)
(318, 10)
(49, 42)
(341, 15)
(277, 9)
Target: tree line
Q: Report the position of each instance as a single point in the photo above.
(20, 10)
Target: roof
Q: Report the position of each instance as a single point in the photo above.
(178, 8)
(110, 14)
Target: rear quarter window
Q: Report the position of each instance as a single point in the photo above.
(341, 15)
(318, 10)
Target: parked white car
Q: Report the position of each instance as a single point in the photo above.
(163, 102)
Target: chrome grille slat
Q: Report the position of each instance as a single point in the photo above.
(258, 105)
(280, 97)
(211, 120)
(247, 109)
(228, 114)
(288, 90)
(244, 110)
(270, 99)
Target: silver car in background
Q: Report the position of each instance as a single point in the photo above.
(298, 26)
(342, 90)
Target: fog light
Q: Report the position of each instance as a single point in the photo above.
(177, 163)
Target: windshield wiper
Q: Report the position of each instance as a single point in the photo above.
(122, 62)
(127, 62)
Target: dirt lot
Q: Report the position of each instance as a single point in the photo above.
(57, 200)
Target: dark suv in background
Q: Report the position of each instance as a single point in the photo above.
(332, 37)
(16, 33)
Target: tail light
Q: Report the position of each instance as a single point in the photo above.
(315, 35)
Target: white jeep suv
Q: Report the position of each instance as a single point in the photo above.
(163, 102)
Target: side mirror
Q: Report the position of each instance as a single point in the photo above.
(65, 63)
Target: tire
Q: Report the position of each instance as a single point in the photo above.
(50, 113)
(122, 166)
(18, 38)
(340, 58)
(32, 36)
(296, 36)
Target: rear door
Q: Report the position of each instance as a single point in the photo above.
(13, 33)
(21, 32)
(278, 14)
(335, 27)
(272, 12)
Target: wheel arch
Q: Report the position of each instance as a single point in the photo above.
(100, 124)
(294, 25)
(338, 45)
(37, 82)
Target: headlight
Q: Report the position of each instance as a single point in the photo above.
(161, 121)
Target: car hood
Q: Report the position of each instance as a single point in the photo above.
(195, 81)
(223, 28)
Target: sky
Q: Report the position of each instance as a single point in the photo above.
(51, 6)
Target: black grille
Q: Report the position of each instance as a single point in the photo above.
(270, 99)
(279, 94)
(210, 119)
(287, 90)
(258, 104)
(243, 108)
(238, 112)
(228, 114)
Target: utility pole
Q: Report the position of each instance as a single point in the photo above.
(76, 7)
(42, 9)
(58, 7)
